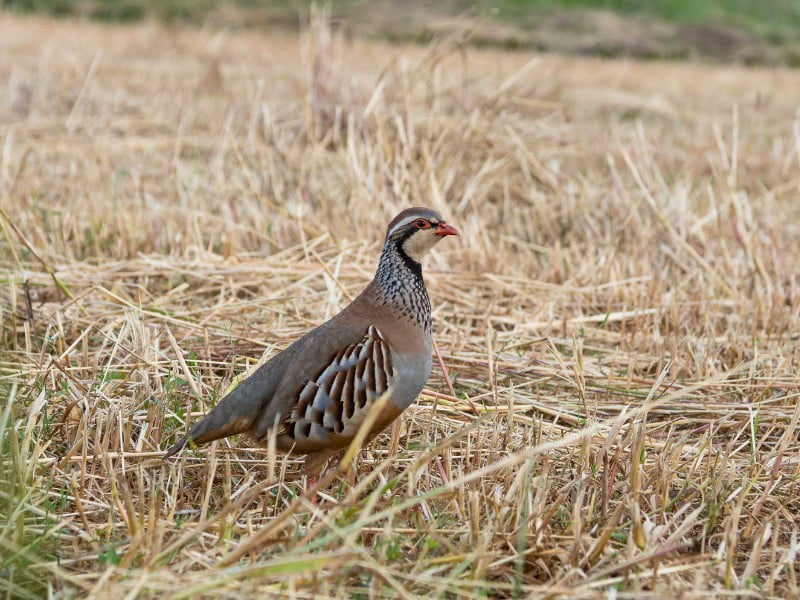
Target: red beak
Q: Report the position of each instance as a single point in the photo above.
(445, 229)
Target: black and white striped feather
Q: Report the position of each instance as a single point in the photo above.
(338, 399)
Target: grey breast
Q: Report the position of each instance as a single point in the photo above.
(411, 373)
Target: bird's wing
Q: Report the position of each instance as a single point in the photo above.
(329, 405)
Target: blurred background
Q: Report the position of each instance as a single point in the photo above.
(763, 32)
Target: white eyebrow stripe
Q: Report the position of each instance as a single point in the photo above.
(405, 222)
(402, 223)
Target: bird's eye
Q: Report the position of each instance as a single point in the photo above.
(421, 224)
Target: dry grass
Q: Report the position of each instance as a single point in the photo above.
(619, 319)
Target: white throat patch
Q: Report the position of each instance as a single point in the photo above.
(419, 244)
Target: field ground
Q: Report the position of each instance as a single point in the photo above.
(620, 319)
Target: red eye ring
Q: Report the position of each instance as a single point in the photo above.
(421, 224)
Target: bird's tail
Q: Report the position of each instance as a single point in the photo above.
(221, 422)
(236, 413)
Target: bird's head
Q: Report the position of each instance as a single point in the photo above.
(416, 230)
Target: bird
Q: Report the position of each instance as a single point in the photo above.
(314, 395)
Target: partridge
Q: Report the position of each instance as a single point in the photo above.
(316, 393)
